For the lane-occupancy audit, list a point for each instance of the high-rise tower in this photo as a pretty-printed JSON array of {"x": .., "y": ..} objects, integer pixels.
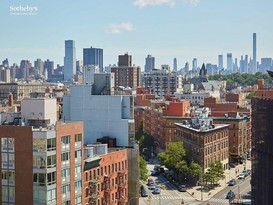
[
  {"x": 229, "y": 62},
  {"x": 69, "y": 60},
  {"x": 254, "y": 66},
  {"x": 93, "y": 56},
  {"x": 220, "y": 62},
  {"x": 175, "y": 65},
  {"x": 149, "y": 63}
]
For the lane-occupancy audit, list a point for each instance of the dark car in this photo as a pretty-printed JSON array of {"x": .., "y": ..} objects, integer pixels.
[
  {"x": 232, "y": 182},
  {"x": 156, "y": 191},
  {"x": 230, "y": 195},
  {"x": 155, "y": 173},
  {"x": 143, "y": 192},
  {"x": 182, "y": 188},
  {"x": 152, "y": 186}
]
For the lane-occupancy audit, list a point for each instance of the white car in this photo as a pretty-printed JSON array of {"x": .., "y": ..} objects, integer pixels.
[{"x": 241, "y": 176}]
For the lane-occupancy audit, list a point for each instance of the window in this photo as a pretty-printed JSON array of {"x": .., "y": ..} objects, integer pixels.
[
  {"x": 78, "y": 154},
  {"x": 65, "y": 139},
  {"x": 51, "y": 144},
  {"x": 66, "y": 188},
  {"x": 51, "y": 161},
  {"x": 51, "y": 195},
  {"x": 66, "y": 202},
  {"x": 78, "y": 184},
  {"x": 66, "y": 172},
  {"x": 78, "y": 169},
  {"x": 51, "y": 178},
  {"x": 78, "y": 200},
  {"x": 65, "y": 156},
  {"x": 78, "y": 137}
]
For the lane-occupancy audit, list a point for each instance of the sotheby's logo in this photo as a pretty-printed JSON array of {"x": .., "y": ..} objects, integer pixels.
[{"x": 23, "y": 10}]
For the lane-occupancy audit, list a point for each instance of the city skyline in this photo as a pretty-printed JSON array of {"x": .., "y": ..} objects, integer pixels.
[{"x": 188, "y": 29}]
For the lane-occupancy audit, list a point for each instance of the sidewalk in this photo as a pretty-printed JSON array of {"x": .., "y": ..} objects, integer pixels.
[{"x": 230, "y": 174}]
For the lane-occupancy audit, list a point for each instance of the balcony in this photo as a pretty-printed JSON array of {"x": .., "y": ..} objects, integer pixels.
[{"x": 107, "y": 187}]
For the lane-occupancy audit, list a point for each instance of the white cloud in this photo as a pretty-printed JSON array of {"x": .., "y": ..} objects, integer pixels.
[
  {"x": 120, "y": 28},
  {"x": 143, "y": 3},
  {"x": 192, "y": 2}
]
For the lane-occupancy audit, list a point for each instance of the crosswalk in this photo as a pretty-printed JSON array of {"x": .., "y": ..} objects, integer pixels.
[
  {"x": 217, "y": 201},
  {"x": 185, "y": 198}
]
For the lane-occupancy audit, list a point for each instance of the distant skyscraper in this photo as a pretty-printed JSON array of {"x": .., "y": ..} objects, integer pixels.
[
  {"x": 194, "y": 65},
  {"x": 125, "y": 60},
  {"x": 220, "y": 62},
  {"x": 5, "y": 63},
  {"x": 187, "y": 67},
  {"x": 149, "y": 64},
  {"x": 79, "y": 66},
  {"x": 229, "y": 62},
  {"x": 235, "y": 67},
  {"x": 93, "y": 56},
  {"x": 266, "y": 64},
  {"x": 69, "y": 60},
  {"x": 39, "y": 66},
  {"x": 254, "y": 64},
  {"x": 49, "y": 66},
  {"x": 242, "y": 65},
  {"x": 175, "y": 65},
  {"x": 246, "y": 64}
]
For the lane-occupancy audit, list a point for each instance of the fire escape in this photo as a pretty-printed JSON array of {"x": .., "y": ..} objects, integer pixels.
[
  {"x": 93, "y": 191},
  {"x": 107, "y": 188},
  {"x": 121, "y": 182}
]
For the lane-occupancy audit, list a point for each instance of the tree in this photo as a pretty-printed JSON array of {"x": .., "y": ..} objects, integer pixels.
[
  {"x": 143, "y": 169},
  {"x": 174, "y": 155},
  {"x": 195, "y": 170},
  {"x": 215, "y": 172}
]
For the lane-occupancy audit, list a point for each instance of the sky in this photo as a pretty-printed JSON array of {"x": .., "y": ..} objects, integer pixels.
[{"x": 166, "y": 29}]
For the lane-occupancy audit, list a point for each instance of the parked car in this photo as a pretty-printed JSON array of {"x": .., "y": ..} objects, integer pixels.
[
  {"x": 248, "y": 171},
  {"x": 150, "y": 181},
  {"x": 156, "y": 191},
  {"x": 152, "y": 186},
  {"x": 241, "y": 176},
  {"x": 155, "y": 173},
  {"x": 182, "y": 188},
  {"x": 143, "y": 192},
  {"x": 230, "y": 195},
  {"x": 232, "y": 182}
]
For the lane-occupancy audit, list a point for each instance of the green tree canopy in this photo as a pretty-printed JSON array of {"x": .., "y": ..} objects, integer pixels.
[
  {"x": 215, "y": 172},
  {"x": 143, "y": 169}
]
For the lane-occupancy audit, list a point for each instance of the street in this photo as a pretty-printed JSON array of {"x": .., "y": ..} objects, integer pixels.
[
  {"x": 173, "y": 197},
  {"x": 169, "y": 196},
  {"x": 242, "y": 189}
]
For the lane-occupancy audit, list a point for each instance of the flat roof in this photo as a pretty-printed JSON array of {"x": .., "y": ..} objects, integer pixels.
[{"x": 203, "y": 129}]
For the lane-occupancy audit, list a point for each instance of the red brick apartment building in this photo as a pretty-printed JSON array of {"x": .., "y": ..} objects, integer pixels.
[
  {"x": 207, "y": 142},
  {"x": 106, "y": 179},
  {"x": 158, "y": 119},
  {"x": 41, "y": 165}
]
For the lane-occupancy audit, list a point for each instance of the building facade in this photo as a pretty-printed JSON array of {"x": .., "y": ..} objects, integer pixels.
[
  {"x": 93, "y": 56},
  {"x": 127, "y": 76},
  {"x": 149, "y": 63},
  {"x": 106, "y": 178},
  {"x": 207, "y": 142},
  {"x": 103, "y": 115},
  {"x": 45, "y": 160},
  {"x": 20, "y": 90},
  {"x": 161, "y": 82},
  {"x": 69, "y": 60}
]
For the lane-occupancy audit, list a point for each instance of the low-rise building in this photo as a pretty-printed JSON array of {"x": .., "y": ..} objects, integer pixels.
[
  {"x": 207, "y": 142},
  {"x": 106, "y": 178}
]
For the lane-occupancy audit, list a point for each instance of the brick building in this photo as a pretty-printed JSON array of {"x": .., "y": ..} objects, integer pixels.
[
  {"x": 207, "y": 142},
  {"x": 106, "y": 178},
  {"x": 45, "y": 159},
  {"x": 157, "y": 119},
  {"x": 239, "y": 136}
]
